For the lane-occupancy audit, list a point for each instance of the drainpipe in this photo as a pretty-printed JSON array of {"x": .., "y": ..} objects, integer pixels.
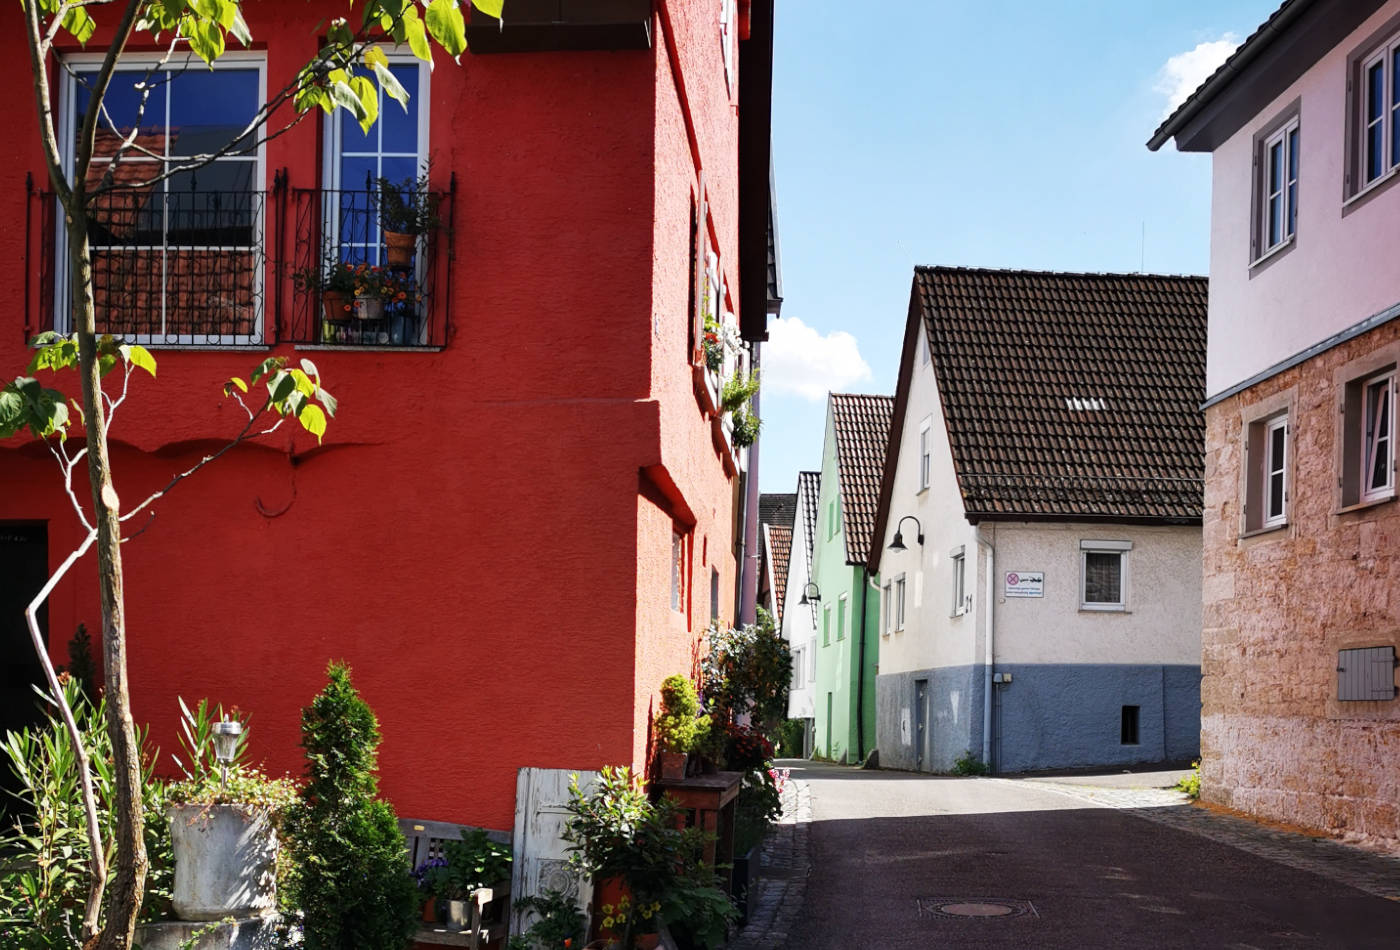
[
  {"x": 748, "y": 570},
  {"x": 989, "y": 613}
]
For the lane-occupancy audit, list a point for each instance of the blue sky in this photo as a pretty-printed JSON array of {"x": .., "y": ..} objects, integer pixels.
[{"x": 991, "y": 134}]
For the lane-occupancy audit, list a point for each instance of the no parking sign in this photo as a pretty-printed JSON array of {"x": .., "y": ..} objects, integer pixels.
[{"x": 1025, "y": 584}]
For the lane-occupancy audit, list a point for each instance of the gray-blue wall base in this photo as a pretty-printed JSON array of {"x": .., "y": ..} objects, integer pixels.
[
  {"x": 1048, "y": 717},
  {"x": 953, "y": 718}
]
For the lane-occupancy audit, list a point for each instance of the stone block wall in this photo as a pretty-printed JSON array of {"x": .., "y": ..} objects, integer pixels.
[{"x": 1279, "y": 605}]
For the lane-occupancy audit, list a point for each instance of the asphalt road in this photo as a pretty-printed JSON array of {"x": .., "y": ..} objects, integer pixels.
[{"x": 898, "y": 860}]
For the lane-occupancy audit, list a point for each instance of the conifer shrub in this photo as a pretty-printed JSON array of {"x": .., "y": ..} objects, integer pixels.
[{"x": 350, "y": 874}]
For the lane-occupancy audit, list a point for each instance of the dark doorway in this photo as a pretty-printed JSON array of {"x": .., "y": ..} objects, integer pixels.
[{"x": 24, "y": 565}]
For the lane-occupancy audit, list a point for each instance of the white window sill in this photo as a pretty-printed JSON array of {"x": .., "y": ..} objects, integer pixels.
[
  {"x": 1103, "y": 608},
  {"x": 1266, "y": 529},
  {"x": 1274, "y": 251},
  {"x": 368, "y": 348}
]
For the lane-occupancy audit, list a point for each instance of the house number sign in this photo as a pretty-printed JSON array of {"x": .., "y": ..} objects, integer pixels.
[{"x": 1025, "y": 584}]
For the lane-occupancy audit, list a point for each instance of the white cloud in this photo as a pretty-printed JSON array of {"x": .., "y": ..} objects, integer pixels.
[
  {"x": 1185, "y": 72},
  {"x": 799, "y": 360}
]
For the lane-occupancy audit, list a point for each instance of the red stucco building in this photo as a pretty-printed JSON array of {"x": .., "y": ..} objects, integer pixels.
[{"x": 526, "y": 512}]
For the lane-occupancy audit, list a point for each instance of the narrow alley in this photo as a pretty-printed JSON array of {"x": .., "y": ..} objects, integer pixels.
[{"x": 894, "y": 860}]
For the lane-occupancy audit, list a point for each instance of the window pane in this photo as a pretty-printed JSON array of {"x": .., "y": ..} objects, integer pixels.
[
  {"x": 1275, "y": 494},
  {"x": 208, "y": 108},
  {"x": 1275, "y": 220},
  {"x": 1103, "y": 577},
  {"x": 1375, "y": 149},
  {"x": 123, "y": 104},
  {"x": 1277, "y": 438},
  {"x": 1375, "y": 91},
  {"x": 1275, "y": 167},
  {"x": 352, "y": 139},
  {"x": 400, "y": 132},
  {"x": 1292, "y": 209}
]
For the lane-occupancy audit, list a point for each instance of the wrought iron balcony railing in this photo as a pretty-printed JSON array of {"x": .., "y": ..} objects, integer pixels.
[
  {"x": 224, "y": 268},
  {"x": 352, "y": 288},
  {"x": 168, "y": 267}
]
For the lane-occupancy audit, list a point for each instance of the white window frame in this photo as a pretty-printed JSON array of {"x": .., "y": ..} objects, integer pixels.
[
  {"x": 1284, "y": 140},
  {"x": 1384, "y": 57},
  {"x": 797, "y": 668},
  {"x": 899, "y": 601},
  {"x": 886, "y": 602},
  {"x": 1272, "y": 467},
  {"x": 728, "y": 23},
  {"x": 1385, "y": 381},
  {"x": 1092, "y": 546},
  {"x": 958, "y": 555},
  {"x": 925, "y": 454},
  {"x": 678, "y": 571},
  {"x": 67, "y": 102},
  {"x": 826, "y": 625},
  {"x": 331, "y": 149},
  {"x": 812, "y": 662}
]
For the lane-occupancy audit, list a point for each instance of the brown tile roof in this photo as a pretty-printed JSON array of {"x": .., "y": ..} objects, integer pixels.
[
  {"x": 809, "y": 488},
  {"x": 1074, "y": 395},
  {"x": 862, "y": 425},
  {"x": 779, "y": 553},
  {"x": 777, "y": 508}
]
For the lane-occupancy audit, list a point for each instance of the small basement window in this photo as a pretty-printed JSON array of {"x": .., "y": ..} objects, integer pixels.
[
  {"x": 1366, "y": 674},
  {"x": 1130, "y": 725}
]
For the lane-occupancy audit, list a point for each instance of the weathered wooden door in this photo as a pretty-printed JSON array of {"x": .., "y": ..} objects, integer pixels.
[{"x": 541, "y": 856}]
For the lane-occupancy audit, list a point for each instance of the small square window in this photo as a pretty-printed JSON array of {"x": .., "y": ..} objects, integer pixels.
[
  {"x": 1130, "y": 725},
  {"x": 1104, "y": 574}
]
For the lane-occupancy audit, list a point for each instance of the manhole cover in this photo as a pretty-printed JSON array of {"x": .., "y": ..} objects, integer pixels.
[{"x": 963, "y": 908}]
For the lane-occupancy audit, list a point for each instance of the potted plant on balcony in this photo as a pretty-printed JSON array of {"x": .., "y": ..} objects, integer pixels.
[
  {"x": 407, "y": 209},
  {"x": 679, "y": 727},
  {"x": 335, "y": 283}
]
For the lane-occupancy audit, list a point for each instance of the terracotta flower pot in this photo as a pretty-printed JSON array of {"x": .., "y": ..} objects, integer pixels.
[
  {"x": 672, "y": 765},
  {"x": 333, "y": 305},
  {"x": 430, "y": 911},
  {"x": 399, "y": 248},
  {"x": 646, "y": 941}
]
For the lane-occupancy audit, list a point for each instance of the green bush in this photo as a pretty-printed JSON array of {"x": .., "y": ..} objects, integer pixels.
[
  {"x": 350, "y": 874},
  {"x": 558, "y": 927},
  {"x": 970, "y": 764},
  {"x": 616, "y": 831},
  {"x": 790, "y": 738},
  {"x": 1190, "y": 783},
  {"x": 680, "y": 727},
  {"x": 472, "y": 862},
  {"x": 44, "y": 868}
]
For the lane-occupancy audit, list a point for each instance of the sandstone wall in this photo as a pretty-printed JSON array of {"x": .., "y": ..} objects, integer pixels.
[{"x": 1275, "y": 740}]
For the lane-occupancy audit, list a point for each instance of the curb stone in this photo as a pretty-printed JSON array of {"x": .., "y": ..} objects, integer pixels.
[{"x": 784, "y": 866}]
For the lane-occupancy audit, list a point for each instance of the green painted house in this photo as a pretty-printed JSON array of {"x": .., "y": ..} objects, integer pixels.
[{"x": 848, "y": 612}]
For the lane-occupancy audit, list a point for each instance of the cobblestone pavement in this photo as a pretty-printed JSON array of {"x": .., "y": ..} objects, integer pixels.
[
  {"x": 1367, "y": 871},
  {"x": 784, "y": 865}
]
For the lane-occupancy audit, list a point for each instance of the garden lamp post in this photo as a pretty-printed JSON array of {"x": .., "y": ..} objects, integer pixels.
[{"x": 226, "y": 735}]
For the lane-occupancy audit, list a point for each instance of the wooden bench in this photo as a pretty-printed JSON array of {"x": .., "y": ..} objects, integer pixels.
[{"x": 425, "y": 842}]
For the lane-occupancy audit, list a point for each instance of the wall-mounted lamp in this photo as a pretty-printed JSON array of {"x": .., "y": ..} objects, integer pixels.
[
  {"x": 810, "y": 594},
  {"x": 898, "y": 543},
  {"x": 226, "y": 741}
]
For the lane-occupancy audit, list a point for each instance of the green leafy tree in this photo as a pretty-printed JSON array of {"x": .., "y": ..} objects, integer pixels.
[
  {"x": 347, "y": 73},
  {"x": 350, "y": 873}
]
